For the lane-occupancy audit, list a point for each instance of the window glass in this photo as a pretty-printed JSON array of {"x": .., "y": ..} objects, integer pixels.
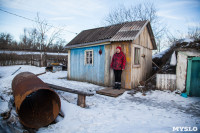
[
  {"x": 89, "y": 57},
  {"x": 137, "y": 56}
]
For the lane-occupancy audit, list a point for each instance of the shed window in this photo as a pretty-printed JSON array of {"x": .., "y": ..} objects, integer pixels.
[
  {"x": 137, "y": 56},
  {"x": 89, "y": 57}
]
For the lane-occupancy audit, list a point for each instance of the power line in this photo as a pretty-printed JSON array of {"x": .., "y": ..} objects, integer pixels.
[{"x": 34, "y": 20}]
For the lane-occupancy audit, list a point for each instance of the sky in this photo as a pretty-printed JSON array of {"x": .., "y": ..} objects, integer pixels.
[{"x": 78, "y": 15}]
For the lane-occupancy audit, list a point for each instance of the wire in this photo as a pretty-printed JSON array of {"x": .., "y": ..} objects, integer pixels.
[{"x": 34, "y": 20}]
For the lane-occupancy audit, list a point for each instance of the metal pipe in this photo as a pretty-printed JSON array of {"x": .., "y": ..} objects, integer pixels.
[{"x": 36, "y": 104}]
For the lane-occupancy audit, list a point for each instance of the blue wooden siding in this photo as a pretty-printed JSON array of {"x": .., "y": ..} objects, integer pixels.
[{"x": 84, "y": 72}]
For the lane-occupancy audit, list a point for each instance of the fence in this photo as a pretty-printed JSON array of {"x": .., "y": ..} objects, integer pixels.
[
  {"x": 31, "y": 59},
  {"x": 166, "y": 81}
]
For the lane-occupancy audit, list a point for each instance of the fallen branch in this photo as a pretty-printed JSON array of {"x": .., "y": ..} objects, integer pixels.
[
  {"x": 40, "y": 74},
  {"x": 16, "y": 70}
]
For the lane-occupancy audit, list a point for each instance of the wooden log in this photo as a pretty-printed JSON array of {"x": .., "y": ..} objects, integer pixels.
[
  {"x": 40, "y": 74},
  {"x": 156, "y": 65},
  {"x": 81, "y": 101},
  {"x": 69, "y": 90},
  {"x": 81, "y": 95}
]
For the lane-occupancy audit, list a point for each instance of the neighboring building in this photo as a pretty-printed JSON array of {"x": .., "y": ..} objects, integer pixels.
[
  {"x": 181, "y": 71},
  {"x": 188, "y": 71},
  {"x": 91, "y": 51}
]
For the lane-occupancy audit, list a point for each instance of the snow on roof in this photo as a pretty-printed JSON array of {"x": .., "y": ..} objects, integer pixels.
[
  {"x": 182, "y": 43},
  {"x": 188, "y": 40},
  {"x": 187, "y": 43},
  {"x": 160, "y": 55}
]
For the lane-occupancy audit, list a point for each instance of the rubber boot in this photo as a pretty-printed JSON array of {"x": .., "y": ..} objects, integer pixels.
[
  {"x": 115, "y": 86},
  {"x": 119, "y": 86}
]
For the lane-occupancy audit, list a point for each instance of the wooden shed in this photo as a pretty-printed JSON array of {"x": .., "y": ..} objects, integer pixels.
[{"x": 91, "y": 51}]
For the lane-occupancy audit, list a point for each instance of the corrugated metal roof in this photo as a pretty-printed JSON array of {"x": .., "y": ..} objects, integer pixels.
[
  {"x": 119, "y": 32},
  {"x": 96, "y": 34},
  {"x": 128, "y": 31},
  {"x": 124, "y": 35},
  {"x": 135, "y": 25}
]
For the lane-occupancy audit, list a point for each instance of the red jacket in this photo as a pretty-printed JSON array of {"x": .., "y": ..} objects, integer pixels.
[{"x": 118, "y": 61}]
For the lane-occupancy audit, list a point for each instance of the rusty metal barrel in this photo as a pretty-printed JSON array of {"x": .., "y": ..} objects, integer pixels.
[{"x": 36, "y": 104}]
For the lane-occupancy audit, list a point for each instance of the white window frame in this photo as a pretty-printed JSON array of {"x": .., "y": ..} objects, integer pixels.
[{"x": 85, "y": 60}]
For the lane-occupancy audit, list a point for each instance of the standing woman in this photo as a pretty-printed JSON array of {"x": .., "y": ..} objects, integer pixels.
[{"x": 118, "y": 64}]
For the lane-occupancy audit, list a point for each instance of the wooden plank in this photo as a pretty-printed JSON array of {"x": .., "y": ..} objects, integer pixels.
[
  {"x": 111, "y": 76},
  {"x": 144, "y": 70},
  {"x": 69, "y": 90},
  {"x": 107, "y": 65},
  {"x": 87, "y": 72},
  {"x": 126, "y": 74},
  {"x": 144, "y": 39},
  {"x": 127, "y": 71},
  {"x": 111, "y": 92}
]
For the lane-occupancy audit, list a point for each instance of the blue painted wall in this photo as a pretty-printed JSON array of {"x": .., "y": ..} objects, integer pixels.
[{"x": 84, "y": 72}]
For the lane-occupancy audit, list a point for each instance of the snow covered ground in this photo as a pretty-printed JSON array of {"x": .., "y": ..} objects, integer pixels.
[{"x": 157, "y": 112}]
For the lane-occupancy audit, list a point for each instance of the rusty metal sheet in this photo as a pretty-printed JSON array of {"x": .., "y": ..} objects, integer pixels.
[{"x": 36, "y": 104}]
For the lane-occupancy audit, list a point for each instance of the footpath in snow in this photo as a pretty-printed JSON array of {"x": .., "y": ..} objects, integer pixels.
[{"x": 157, "y": 112}]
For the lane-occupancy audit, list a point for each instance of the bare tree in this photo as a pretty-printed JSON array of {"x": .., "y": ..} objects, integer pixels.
[
  {"x": 5, "y": 40},
  {"x": 179, "y": 36},
  {"x": 44, "y": 30},
  {"x": 142, "y": 11},
  {"x": 194, "y": 32},
  {"x": 31, "y": 40},
  {"x": 34, "y": 39}
]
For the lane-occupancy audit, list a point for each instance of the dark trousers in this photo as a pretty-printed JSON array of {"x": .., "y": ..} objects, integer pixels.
[{"x": 118, "y": 74}]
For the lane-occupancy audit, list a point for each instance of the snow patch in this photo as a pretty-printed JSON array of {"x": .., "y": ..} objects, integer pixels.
[
  {"x": 187, "y": 40},
  {"x": 160, "y": 55},
  {"x": 173, "y": 59}
]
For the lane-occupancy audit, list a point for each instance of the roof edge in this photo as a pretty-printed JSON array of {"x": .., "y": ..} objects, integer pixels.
[
  {"x": 86, "y": 44},
  {"x": 152, "y": 38},
  {"x": 147, "y": 21}
]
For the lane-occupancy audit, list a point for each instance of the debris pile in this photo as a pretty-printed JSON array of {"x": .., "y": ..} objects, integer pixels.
[{"x": 53, "y": 67}]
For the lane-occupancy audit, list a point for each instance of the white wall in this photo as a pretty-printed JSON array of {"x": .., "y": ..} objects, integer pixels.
[{"x": 181, "y": 68}]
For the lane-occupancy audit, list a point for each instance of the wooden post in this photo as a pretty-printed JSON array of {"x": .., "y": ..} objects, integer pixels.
[
  {"x": 107, "y": 65},
  {"x": 41, "y": 60},
  {"x": 81, "y": 101},
  {"x": 31, "y": 60}
]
